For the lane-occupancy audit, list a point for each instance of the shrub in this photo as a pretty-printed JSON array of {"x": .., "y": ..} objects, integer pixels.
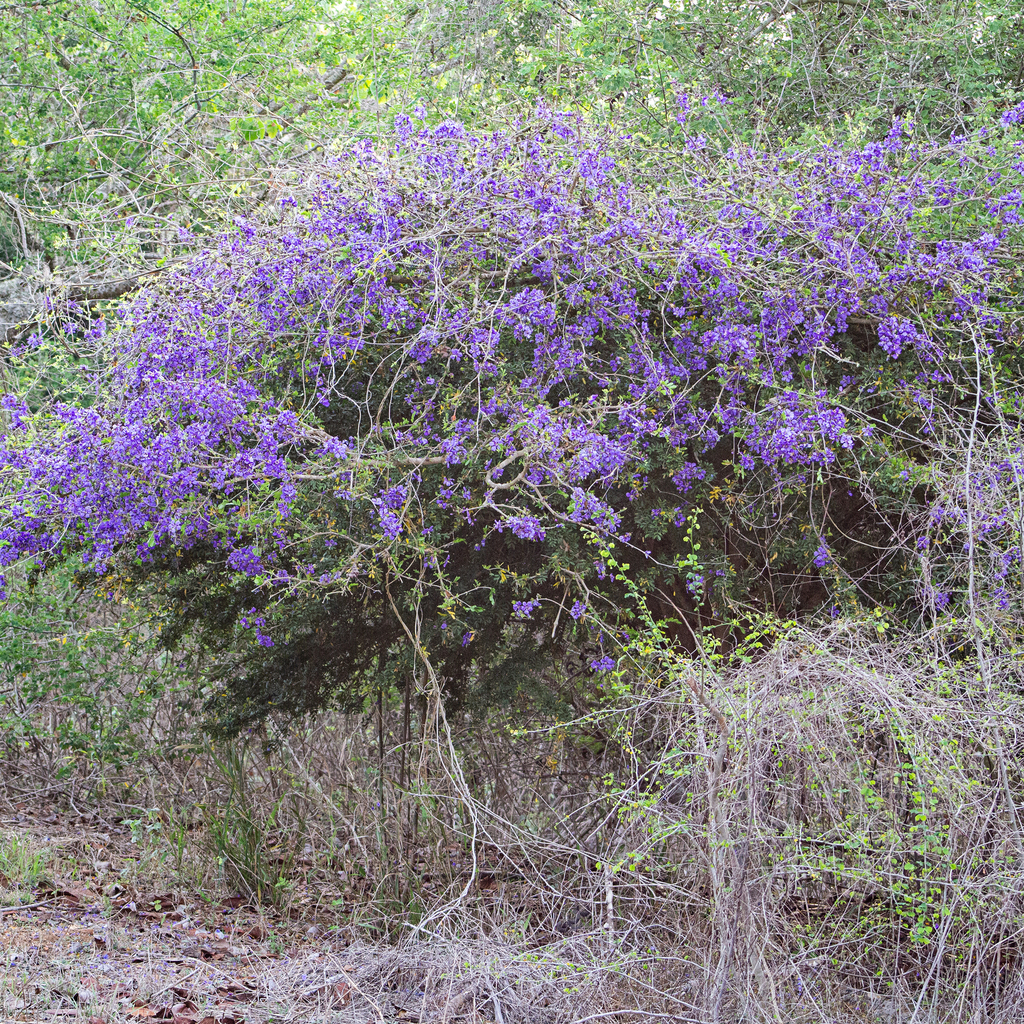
[{"x": 396, "y": 426}]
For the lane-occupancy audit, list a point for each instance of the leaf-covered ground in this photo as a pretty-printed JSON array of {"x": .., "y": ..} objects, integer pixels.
[
  {"x": 95, "y": 948},
  {"x": 85, "y": 934}
]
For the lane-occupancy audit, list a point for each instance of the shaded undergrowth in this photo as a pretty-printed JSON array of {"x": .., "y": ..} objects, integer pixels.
[{"x": 835, "y": 821}]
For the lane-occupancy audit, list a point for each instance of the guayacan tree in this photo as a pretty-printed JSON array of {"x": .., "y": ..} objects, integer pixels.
[{"x": 475, "y": 395}]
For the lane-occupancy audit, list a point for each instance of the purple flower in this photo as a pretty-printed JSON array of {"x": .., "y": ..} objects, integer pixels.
[
  {"x": 525, "y": 609},
  {"x": 1015, "y": 115},
  {"x": 525, "y": 526},
  {"x": 896, "y": 334},
  {"x": 246, "y": 560},
  {"x": 822, "y": 555}
]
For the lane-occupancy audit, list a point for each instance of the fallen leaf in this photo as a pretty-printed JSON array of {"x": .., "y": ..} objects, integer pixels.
[
  {"x": 336, "y": 995},
  {"x": 235, "y": 992},
  {"x": 142, "y": 1011},
  {"x": 76, "y": 895}
]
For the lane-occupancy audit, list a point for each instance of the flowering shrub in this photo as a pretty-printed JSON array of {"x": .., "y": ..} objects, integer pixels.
[{"x": 463, "y": 358}]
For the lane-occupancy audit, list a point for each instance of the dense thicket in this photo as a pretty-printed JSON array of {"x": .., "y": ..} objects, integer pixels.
[
  {"x": 418, "y": 416},
  {"x": 641, "y": 381}
]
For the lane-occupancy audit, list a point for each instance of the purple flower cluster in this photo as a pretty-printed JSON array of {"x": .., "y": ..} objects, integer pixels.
[
  {"x": 525, "y": 609},
  {"x": 501, "y": 329},
  {"x": 896, "y": 334}
]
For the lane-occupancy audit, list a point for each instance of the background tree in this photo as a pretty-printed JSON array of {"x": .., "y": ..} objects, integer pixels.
[{"x": 128, "y": 128}]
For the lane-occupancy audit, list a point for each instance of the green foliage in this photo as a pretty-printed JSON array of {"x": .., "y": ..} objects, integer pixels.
[
  {"x": 124, "y": 123},
  {"x": 22, "y": 863},
  {"x": 77, "y": 679},
  {"x": 242, "y": 835},
  {"x": 342, "y": 649},
  {"x": 845, "y": 68}
]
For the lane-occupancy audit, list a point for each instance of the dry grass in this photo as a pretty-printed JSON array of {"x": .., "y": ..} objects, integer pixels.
[{"x": 829, "y": 834}]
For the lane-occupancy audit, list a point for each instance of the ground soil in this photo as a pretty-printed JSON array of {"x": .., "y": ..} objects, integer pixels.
[{"x": 104, "y": 933}]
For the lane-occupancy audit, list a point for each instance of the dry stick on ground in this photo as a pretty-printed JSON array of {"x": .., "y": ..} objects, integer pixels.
[{"x": 25, "y": 906}]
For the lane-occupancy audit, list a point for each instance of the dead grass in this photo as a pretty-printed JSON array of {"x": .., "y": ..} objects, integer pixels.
[{"x": 828, "y": 835}]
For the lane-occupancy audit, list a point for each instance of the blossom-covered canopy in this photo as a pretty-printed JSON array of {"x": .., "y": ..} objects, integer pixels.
[{"x": 462, "y": 364}]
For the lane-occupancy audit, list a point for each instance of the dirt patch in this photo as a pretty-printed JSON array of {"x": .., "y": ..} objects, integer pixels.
[{"x": 98, "y": 938}]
